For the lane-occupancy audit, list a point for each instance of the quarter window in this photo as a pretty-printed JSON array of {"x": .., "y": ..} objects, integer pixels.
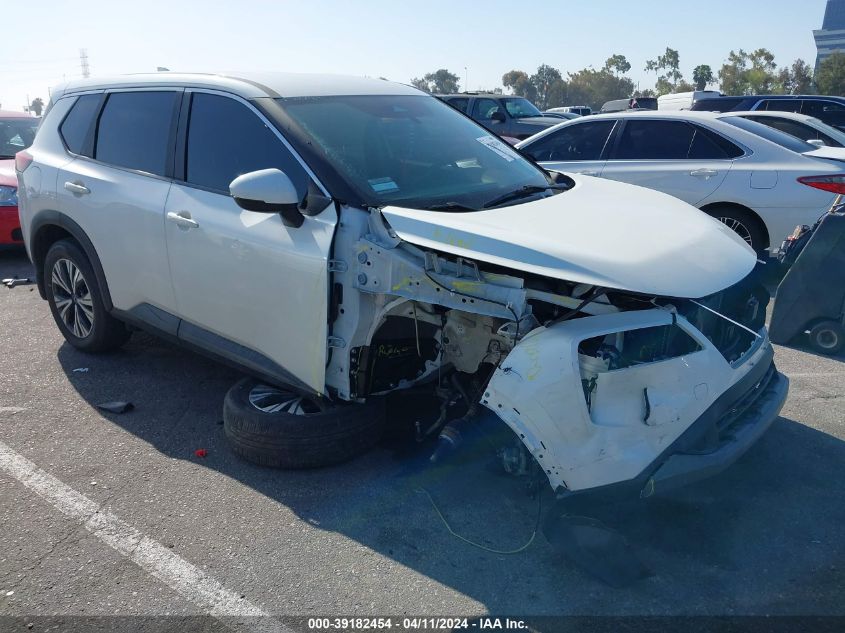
[
  {"x": 580, "y": 141},
  {"x": 226, "y": 139},
  {"x": 136, "y": 130},
  {"x": 79, "y": 123}
]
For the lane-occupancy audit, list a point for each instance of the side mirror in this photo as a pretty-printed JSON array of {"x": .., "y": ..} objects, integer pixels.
[
  {"x": 498, "y": 116},
  {"x": 268, "y": 191},
  {"x": 817, "y": 142}
]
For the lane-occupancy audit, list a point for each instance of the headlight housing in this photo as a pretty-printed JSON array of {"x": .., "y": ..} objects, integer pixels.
[{"x": 8, "y": 196}]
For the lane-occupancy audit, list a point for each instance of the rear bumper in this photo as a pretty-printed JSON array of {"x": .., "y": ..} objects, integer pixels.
[{"x": 10, "y": 226}]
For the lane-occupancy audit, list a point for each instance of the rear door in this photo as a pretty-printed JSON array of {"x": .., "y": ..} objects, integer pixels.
[
  {"x": 117, "y": 184},
  {"x": 483, "y": 111},
  {"x": 578, "y": 147},
  {"x": 675, "y": 157},
  {"x": 247, "y": 287}
]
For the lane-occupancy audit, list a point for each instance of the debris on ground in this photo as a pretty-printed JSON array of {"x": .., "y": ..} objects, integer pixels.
[
  {"x": 81, "y": 370},
  {"x": 116, "y": 407},
  {"x": 15, "y": 281},
  {"x": 201, "y": 452}
]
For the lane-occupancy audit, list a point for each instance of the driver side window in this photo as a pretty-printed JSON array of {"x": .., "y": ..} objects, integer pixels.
[
  {"x": 484, "y": 109},
  {"x": 577, "y": 142}
]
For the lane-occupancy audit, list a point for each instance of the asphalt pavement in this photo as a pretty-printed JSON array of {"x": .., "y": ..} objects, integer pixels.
[{"x": 764, "y": 538}]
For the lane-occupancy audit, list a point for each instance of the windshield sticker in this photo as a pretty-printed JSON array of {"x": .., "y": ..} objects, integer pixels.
[
  {"x": 383, "y": 185},
  {"x": 495, "y": 145}
]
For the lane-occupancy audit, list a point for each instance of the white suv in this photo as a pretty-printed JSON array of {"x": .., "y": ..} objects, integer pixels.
[{"x": 340, "y": 239}]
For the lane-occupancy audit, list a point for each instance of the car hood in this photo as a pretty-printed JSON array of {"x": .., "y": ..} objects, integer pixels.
[
  {"x": 599, "y": 232},
  {"x": 540, "y": 121},
  {"x": 8, "y": 178}
]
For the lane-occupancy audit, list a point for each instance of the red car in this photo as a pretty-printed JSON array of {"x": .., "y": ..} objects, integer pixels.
[{"x": 17, "y": 130}]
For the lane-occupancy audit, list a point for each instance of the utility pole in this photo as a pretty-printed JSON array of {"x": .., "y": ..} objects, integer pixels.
[{"x": 83, "y": 62}]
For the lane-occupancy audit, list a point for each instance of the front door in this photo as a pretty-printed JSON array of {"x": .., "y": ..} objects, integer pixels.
[
  {"x": 247, "y": 286},
  {"x": 578, "y": 147}
]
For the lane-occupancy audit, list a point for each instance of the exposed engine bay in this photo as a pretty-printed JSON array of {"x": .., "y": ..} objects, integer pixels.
[{"x": 594, "y": 382}]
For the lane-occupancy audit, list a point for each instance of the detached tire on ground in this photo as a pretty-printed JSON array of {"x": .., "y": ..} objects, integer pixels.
[{"x": 271, "y": 426}]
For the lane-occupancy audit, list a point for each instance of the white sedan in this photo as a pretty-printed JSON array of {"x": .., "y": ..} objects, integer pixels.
[
  {"x": 807, "y": 128},
  {"x": 759, "y": 181}
]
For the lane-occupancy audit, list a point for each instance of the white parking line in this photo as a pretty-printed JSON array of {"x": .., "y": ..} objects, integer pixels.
[{"x": 154, "y": 558}]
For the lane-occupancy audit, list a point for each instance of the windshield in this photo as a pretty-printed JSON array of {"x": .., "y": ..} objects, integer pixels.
[
  {"x": 770, "y": 134},
  {"x": 411, "y": 151},
  {"x": 520, "y": 108},
  {"x": 16, "y": 134}
]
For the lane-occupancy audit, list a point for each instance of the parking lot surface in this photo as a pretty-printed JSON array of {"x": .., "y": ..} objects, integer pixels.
[{"x": 765, "y": 537}]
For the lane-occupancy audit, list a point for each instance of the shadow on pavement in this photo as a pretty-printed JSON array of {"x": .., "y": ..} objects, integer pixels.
[{"x": 768, "y": 532}]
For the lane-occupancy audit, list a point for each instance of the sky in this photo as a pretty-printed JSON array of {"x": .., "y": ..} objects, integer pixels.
[{"x": 399, "y": 40}]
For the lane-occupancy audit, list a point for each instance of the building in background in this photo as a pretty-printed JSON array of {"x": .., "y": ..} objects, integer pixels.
[{"x": 831, "y": 37}]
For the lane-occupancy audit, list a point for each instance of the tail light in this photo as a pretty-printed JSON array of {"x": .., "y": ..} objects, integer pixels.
[
  {"x": 22, "y": 161},
  {"x": 834, "y": 183}
]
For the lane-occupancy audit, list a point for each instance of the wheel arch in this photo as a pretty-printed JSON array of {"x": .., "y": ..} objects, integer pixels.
[
  {"x": 48, "y": 227},
  {"x": 741, "y": 207}
]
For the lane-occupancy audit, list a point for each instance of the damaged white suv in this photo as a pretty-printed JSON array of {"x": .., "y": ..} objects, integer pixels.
[{"x": 341, "y": 239}]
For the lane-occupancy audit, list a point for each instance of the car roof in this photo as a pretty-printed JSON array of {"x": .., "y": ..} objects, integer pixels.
[
  {"x": 797, "y": 116},
  {"x": 12, "y": 114},
  {"x": 249, "y": 85},
  {"x": 779, "y": 97}
]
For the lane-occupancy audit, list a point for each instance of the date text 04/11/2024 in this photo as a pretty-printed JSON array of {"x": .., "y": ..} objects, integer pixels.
[{"x": 414, "y": 623}]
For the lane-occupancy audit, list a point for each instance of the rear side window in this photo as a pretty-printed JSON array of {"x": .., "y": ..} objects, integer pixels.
[
  {"x": 781, "y": 105},
  {"x": 459, "y": 104},
  {"x": 797, "y": 129},
  {"x": 136, "y": 130},
  {"x": 581, "y": 141},
  {"x": 226, "y": 139},
  {"x": 770, "y": 134},
  {"x": 79, "y": 123},
  {"x": 655, "y": 140}
]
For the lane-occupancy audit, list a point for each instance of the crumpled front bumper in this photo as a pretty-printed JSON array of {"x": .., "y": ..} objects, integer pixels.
[{"x": 711, "y": 411}]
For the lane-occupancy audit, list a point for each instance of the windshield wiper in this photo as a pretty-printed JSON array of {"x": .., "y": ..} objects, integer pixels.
[
  {"x": 523, "y": 192},
  {"x": 450, "y": 206}
]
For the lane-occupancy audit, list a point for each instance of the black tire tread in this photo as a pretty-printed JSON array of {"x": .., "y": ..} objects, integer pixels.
[
  {"x": 283, "y": 440},
  {"x": 828, "y": 325}
]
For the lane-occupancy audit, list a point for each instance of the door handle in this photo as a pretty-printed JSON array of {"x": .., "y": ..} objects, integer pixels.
[
  {"x": 75, "y": 187},
  {"x": 183, "y": 219},
  {"x": 707, "y": 174}
]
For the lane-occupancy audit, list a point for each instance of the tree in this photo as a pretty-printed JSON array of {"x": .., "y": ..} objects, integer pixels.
[
  {"x": 669, "y": 63},
  {"x": 617, "y": 64},
  {"x": 37, "y": 106},
  {"x": 701, "y": 76},
  {"x": 796, "y": 79},
  {"x": 547, "y": 84},
  {"x": 830, "y": 78},
  {"x": 519, "y": 84},
  {"x": 440, "y": 81},
  {"x": 595, "y": 87},
  {"x": 749, "y": 73}
]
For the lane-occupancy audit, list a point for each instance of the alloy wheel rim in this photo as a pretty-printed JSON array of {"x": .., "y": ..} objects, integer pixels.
[
  {"x": 270, "y": 399},
  {"x": 739, "y": 228},
  {"x": 72, "y": 298}
]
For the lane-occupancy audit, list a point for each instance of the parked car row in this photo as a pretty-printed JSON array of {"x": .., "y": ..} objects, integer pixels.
[
  {"x": 17, "y": 131},
  {"x": 758, "y": 180}
]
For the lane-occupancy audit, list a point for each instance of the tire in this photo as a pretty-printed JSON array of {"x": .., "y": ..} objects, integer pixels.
[
  {"x": 292, "y": 431},
  {"x": 827, "y": 337},
  {"x": 743, "y": 223},
  {"x": 76, "y": 300}
]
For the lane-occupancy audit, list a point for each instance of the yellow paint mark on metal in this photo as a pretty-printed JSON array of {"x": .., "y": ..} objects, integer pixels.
[
  {"x": 465, "y": 285},
  {"x": 533, "y": 355},
  {"x": 451, "y": 238},
  {"x": 406, "y": 281}
]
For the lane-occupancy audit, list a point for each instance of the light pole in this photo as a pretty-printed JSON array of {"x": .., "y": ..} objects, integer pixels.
[{"x": 466, "y": 80}]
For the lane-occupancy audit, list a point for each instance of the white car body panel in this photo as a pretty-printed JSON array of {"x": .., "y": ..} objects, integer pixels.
[
  {"x": 552, "y": 237},
  {"x": 286, "y": 269},
  {"x": 612, "y": 442},
  {"x": 764, "y": 180}
]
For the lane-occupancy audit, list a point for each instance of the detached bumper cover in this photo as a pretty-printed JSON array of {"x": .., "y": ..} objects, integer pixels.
[{"x": 736, "y": 432}]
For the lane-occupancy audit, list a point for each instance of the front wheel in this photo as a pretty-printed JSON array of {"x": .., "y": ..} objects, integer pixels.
[
  {"x": 278, "y": 427},
  {"x": 76, "y": 300}
]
